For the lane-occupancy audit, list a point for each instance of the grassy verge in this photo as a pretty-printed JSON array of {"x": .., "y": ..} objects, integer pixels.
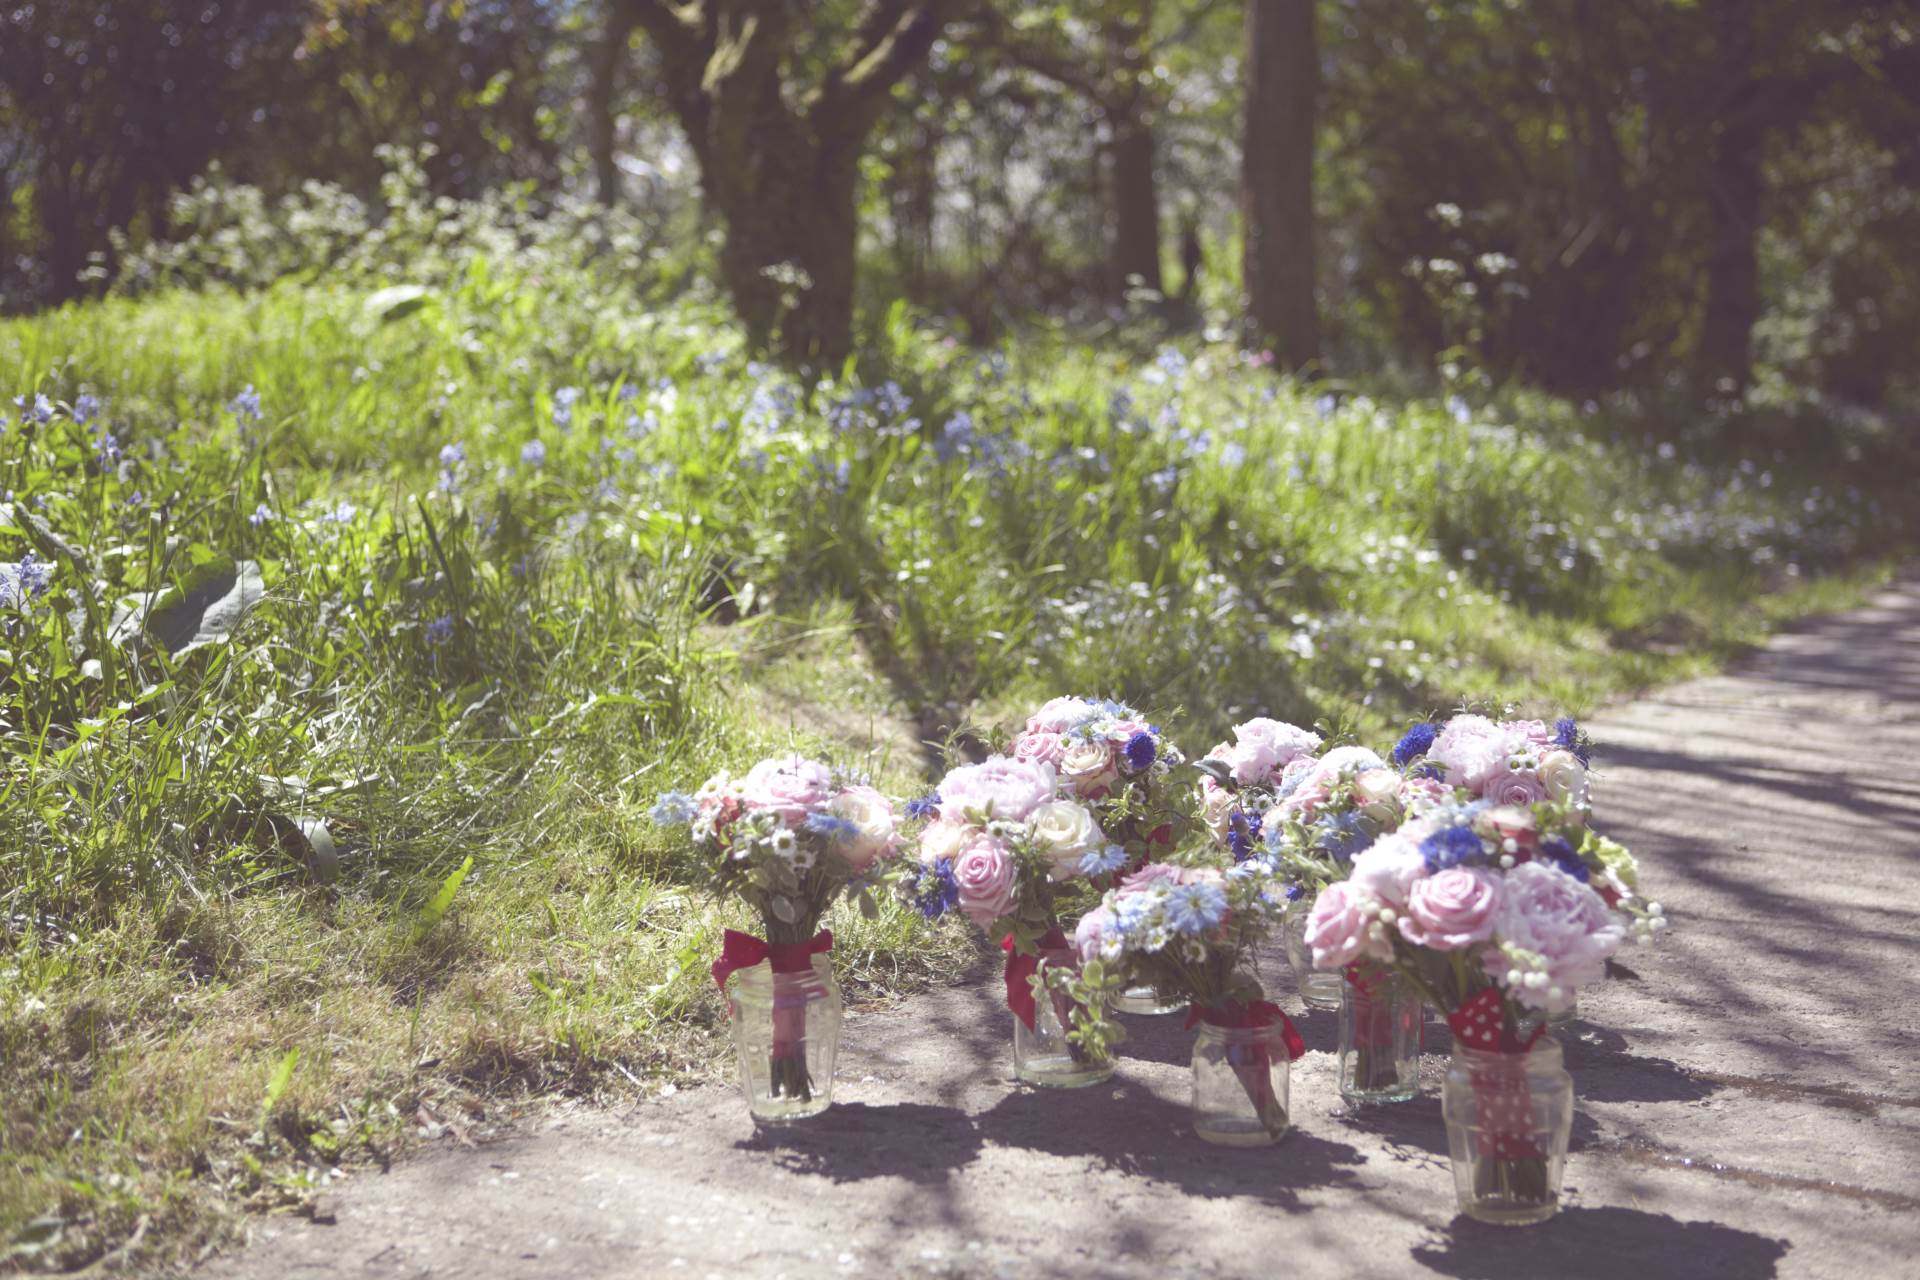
[{"x": 478, "y": 573}]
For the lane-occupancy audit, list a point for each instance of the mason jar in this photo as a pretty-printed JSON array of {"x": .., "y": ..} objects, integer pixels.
[
  {"x": 1318, "y": 988},
  {"x": 1508, "y": 1115},
  {"x": 786, "y": 1029},
  {"x": 1240, "y": 1084},
  {"x": 1042, "y": 1053},
  {"x": 1380, "y": 1016}
]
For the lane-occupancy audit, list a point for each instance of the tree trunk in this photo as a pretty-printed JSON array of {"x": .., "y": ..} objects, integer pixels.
[
  {"x": 1136, "y": 203},
  {"x": 1736, "y": 190},
  {"x": 603, "y": 69},
  {"x": 1277, "y": 178}
]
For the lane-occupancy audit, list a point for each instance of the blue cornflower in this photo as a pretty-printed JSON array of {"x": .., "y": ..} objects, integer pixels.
[
  {"x": 1342, "y": 835},
  {"x": 1295, "y": 893},
  {"x": 1098, "y": 862},
  {"x": 1428, "y": 769},
  {"x": 1566, "y": 733},
  {"x": 833, "y": 828},
  {"x": 673, "y": 809},
  {"x": 1243, "y": 829},
  {"x": 261, "y": 515},
  {"x": 1141, "y": 751},
  {"x": 1196, "y": 908},
  {"x": 440, "y": 630},
  {"x": 924, "y": 807},
  {"x": 1559, "y": 852},
  {"x": 1452, "y": 847},
  {"x": 246, "y": 406},
  {"x": 938, "y": 892},
  {"x": 534, "y": 453},
  {"x": 86, "y": 406},
  {"x": 1415, "y": 743}
]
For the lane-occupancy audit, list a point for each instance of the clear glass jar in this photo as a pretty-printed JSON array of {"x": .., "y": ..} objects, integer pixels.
[
  {"x": 786, "y": 1027},
  {"x": 1508, "y": 1119},
  {"x": 1380, "y": 1024},
  {"x": 1042, "y": 1054},
  {"x": 1143, "y": 1000},
  {"x": 1240, "y": 1084},
  {"x": 1318, "y": 988}
]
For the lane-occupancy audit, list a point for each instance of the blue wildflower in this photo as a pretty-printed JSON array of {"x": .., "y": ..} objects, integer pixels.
[
  {"x": 261, "y": 515},
  {"x": 1558, "y": 851},
  {"x": 563, "y": 402},
  {"x": 1243, "y": 829},
  {"x": 40, "y": 411},
  {"x": 452, "y": 455},
  {"x": 26, "y": 582},
  {"x": 1233, "y": 454},
  {"x": 1098, "y": 862},
  {"x": 673, "y": 809},
  {"x": 440, "y": 630},
  {"x": 924, "y": 807},
  {"x": 631, "y": 390},
  {"x": 1342, "y": 835},
  {"x": 1567, "y": 733},
  {"x": 830, "y": 827},
  {"x": 938, "y": 892},
  {"x": 86, "y": 406},
  {"x": 1415, "y": 743},
  {"x": 341, "y": 514},
  {"x": 1196, "y": 908},
  {"x": 1295, "y": 893},
  {"x": 1452, "y": 847},
  {"x": 534, "y": 453},
  {"x": 106, "y": 449},
  {"x": 1141, "y": 751},
  {"x": 245, "y": 407}
]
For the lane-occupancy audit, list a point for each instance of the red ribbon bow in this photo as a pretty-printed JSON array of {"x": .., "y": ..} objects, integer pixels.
[
  {"x": 1249, "y": 1013},
  {"x": 1020, "y": 970},
  {"x": 1502, "y": 1101},
  {"x": 743, "y": 951}
]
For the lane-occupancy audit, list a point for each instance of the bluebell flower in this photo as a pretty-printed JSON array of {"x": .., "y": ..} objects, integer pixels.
[
  {"x": 673, "y": 809},
  {"x": 1196, "y": 908},
  {"x": 86, "y": 406},
  {"x": 245, "y": 407},
  {"x": 1452, "y": 847},
  {"x": 1415, "y": 743},
  {"x": 955, "y": 437},
  {"x": 830, "y": 827},
  {"x": 1141, "y": 751},
  {"x": 938, "y": 892},
  {"x": 1566, "y": 733},
  {"x": 138, "y": 498},
  {"x": 261, "y": 515},
  {"x": 925, "y": 806},
  {"x": 106, "y": 449},
  {"x": 341, "y": 514},
  {"x": 1559, "y": 852},
  {"x": 1232, "y": 454},
  {"x": 452, "y": 455},
  {"x": 563, "y": 402},
  {"x": 25, "y": 582},
  {"x": 1099, "y": 862},
  {"x": 631, "y": 390},
  {"x": 440, "y": 630},
  {"x": 40, "y": 411},
  {"x": 534, "y": 453}
]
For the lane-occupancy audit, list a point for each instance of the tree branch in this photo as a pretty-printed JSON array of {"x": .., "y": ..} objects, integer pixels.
[{"x": 891, "y": 39}]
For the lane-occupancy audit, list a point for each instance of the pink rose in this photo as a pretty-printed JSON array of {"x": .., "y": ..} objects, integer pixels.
[
  {"x": 1062, "y": 714},
  {"x": 1097, "y": 936},
  {"x": 1534, "y": 731},
  {"x": 1544, "y": 910},
  {"x": 1515, "y": 787},
  {"x": 984, "y": 873},
  {"x": 1387, "y": 869},
  {"x": 791, "y": 786},
  {"x": 1089, "y": 767},
  {"x": 999, "y": 787},
  {"x": 1039, "y": 747},
  {"x": 1451, "y": 909},
  {"x": 1337, "y": 929}
]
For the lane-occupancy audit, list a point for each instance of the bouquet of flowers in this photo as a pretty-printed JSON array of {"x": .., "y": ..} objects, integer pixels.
[
  {"x": 1108, "y": 757},
  {"x": 786, "y": 838},
  {"x": 1189, "y": 932},
  {"x": 1000, "y": 845}
]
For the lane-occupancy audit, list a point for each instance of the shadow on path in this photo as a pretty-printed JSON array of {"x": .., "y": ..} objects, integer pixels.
[{"x": 1602, "y": 1244}]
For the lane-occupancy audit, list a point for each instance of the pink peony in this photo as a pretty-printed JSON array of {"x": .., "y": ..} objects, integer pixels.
[
  {"x": 1251, "y": 762},
  {"x": 1041, "y": 747},
  {"x": 1544, "y": 910},
  {"x": 1149, "y": 875},
  {"x": 1515, "y": 787},
  {"x": 1062, "y": 714},
  {"x": 1533, "y": 731},
  {"x": 985, "y": 874},
  {"x": 1284, "y": 742},
  {"x": 998, "y": 787},
  {"x": 1451, "y": 909},
  {"x": 871, "y": 815},
  {"x": 1388, "y": 868},
  {"x": 792, "y": 786},
  {"x": 1337, "y": 928},
  {"x": 1472, "y": 749},
  {"x": 1097, "y": 936}
]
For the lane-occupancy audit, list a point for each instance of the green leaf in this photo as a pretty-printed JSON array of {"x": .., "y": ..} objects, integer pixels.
[
  {"x": 436, "y": 909},
  {"x": 277, "y": 1082}
]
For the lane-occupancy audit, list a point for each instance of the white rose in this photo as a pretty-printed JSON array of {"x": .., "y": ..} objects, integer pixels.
[
  {"x": 1564, "y": 777},
  {"x": 873, "y": 829},
  {"x": 943, "y": 840},
  {"x": 1215, "y": 804},
  {"x": 1087, "y": 764},
  {"x": 1066, "y": 832}
]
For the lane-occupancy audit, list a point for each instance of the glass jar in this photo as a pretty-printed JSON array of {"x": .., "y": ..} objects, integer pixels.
[
  {"x": 1508, "y": 1119},
  {"x": 1042, "y": 1054},
  {"x": 786, "y": 1027},
  {"x": 1380, "y": 1025},
  {"x": 1143, "y": 1000},
  {"x": 1240, "y": 1084},
  {"x": 1318, "y": 988}
]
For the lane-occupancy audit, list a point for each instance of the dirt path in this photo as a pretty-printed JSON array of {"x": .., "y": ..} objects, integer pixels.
[{"x": 1750, "y": 1108}]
